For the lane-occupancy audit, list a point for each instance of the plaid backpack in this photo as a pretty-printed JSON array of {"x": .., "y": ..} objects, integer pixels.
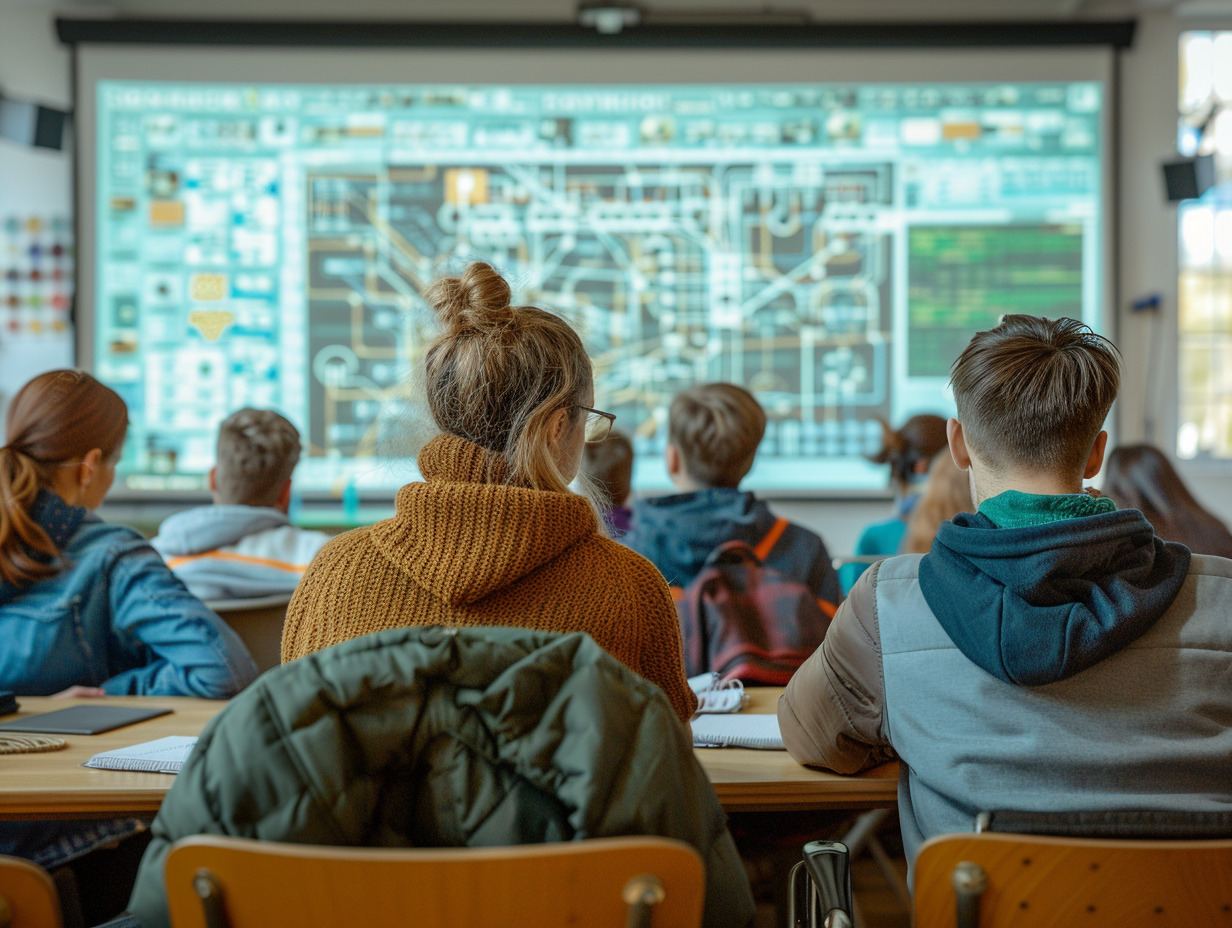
[{"x": 747, "y": 621}]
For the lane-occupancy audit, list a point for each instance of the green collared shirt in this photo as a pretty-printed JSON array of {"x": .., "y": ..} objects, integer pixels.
[{"x": 1013, "y": 509}]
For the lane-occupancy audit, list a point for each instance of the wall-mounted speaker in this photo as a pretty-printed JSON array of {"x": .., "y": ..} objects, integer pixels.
[
  {"x": 32, "y": 124},
  {"x": 1189, "y": 178}
]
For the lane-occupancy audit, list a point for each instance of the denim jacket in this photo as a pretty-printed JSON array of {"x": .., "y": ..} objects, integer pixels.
[{"x": 114, "y": 617}]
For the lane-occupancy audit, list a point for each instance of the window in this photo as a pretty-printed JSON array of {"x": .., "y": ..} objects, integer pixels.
[{"x": 1204, "y": 290}]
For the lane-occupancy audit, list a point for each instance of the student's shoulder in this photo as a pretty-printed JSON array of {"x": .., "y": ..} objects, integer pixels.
[
  {"x": 96, "y": 537},
  {"x": 347, "y": 546},
  {"x": 635, "y": 568}
]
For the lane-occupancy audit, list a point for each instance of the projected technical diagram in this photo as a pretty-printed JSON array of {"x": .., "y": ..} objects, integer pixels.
[{"x": 830, "y": 248}]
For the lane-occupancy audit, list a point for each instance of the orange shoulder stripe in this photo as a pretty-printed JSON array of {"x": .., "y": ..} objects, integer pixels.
[{"x": 239, "y": 558}]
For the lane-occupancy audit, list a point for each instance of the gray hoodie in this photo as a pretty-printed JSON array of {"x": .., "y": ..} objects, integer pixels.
[{"x": 236, "y": 552}]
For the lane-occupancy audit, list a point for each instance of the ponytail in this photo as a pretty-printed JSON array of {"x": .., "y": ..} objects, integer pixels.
[{"x": 27, "y": 553}]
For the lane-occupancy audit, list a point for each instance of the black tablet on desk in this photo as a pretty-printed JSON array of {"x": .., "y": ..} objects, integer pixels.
[{"x": 83, "y": 720}]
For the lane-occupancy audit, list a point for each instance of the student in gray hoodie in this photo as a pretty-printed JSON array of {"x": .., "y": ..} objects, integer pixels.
[
  {"x": 243, "y": 546},
  {"x": 1050, "y": 653}
]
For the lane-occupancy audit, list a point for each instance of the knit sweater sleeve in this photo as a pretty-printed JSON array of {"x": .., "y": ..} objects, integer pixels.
[{"x": 660, "y": 648}]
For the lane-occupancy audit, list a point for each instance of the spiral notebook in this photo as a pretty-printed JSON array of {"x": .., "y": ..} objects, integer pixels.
[
  {"x": 715, "y": 695},
  {"x": 166, "y": 755},
  {"x": 746, "y": 730}
]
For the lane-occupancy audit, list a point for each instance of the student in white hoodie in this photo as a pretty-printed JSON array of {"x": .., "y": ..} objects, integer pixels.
[{"x": 243, "y": 546}]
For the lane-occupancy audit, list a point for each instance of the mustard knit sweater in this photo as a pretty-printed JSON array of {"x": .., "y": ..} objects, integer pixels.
[{"x": 462, "y": 551}]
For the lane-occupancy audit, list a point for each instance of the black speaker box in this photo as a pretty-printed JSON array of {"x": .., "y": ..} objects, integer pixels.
[{"x": 1189, "y": 178}]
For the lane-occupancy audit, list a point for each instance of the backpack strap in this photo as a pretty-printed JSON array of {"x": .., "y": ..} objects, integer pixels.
[{"x": 766, "y": 545}]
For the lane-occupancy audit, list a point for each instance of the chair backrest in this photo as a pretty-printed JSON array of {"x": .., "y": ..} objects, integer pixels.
[
  {"x": 259, "y": 623},
  {"x": 1032, "y": 880},
  {"x": 28, "y": 898},
  {"x": 263, "y": 884}
]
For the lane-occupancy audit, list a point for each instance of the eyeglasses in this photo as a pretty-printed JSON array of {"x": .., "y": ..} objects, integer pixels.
[{"x": 598, "y": 423}]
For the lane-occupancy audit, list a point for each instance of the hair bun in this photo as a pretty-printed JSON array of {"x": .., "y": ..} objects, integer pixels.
[{"x": 479, "y": 298}]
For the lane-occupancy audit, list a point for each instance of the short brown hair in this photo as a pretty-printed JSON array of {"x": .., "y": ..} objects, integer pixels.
[
  {"x": 717, "y": 427},
  {"x": 257, "y": 451},
  {"x": 498, "y": 372},
  {"x": 611, "y": 463},
  {"x": 1034, "y": 392}
]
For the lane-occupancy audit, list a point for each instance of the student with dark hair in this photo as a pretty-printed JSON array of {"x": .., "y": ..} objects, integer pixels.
[
  {"x": 908, "y": 452},
  {"x": 610, "y": 464},
  {"x": 713, "y": 433},
  {"x": 492, "y": 535},
  {"x": 1050, "y": 653},
  {"x": 244, "y": 546},
  {"x": 1141, "y": 477},
  {"x": 86, "y": 607}
]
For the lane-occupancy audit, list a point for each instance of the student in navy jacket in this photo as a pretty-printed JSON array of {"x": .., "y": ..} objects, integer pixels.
[{"x": 713, "y": 433}]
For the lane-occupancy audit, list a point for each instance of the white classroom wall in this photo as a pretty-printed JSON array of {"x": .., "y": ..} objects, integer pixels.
[{"x": 32, "y": 63}]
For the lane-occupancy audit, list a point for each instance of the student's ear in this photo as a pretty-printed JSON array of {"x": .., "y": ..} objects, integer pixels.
[
  {"x": 673, "y": 460},
  {"x": 958, "y": 444},
  {"x": 1096, "y": 460},
  {"x": 91, "y": 461},
  {"x": 284, "y": 497},
  {"x": 558, "y": 424},
  {"x": 213, "y": 479}
]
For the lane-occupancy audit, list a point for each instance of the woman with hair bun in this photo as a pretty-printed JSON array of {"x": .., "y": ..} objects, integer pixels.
[
  {"x": 88, "y": 608},
  {"x": 493, "y": 535},
  {"x": 909, "y": 451}
]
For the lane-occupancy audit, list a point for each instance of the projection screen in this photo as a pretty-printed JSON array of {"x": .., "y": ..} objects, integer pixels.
[{"x": 827, "y": 228}]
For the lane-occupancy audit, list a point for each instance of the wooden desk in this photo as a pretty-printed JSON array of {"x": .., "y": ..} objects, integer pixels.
[
  {"x": 55, "y": 785},
  {"x": 765, "y": 781}
]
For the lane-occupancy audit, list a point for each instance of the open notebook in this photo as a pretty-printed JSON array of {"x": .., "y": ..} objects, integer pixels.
[
  {"x": 747, "y": 730},
  {"x": 715, "y": 695},
  {"x": 166, "y": 755}
]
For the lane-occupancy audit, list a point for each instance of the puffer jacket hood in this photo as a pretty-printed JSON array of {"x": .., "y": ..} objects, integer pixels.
[
  {"x": 433, "y": 737},
  {"x": 1039, "y": 604},
  {"x": 462, "y": 539},
  {"x": 207, "y": 528}
]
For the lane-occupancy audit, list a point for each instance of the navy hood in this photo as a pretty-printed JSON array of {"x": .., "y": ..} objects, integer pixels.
[
  {"x": 678, "y": 532},
  {"x": 59, "y": 520},
  {"x": 1038, "y": 604}
]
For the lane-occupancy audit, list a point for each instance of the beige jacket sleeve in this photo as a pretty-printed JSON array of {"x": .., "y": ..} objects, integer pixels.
[{"x": 832, "y": 713}]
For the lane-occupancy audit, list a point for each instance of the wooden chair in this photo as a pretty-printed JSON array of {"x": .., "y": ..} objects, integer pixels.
[
  {"x": 259, "y": 623},
  {"x": 1123, "y": 868},
  {"x": 28, "y": 898},
  {"x": 214, "y": 882},
  {"x": 1003, "y": 880}
]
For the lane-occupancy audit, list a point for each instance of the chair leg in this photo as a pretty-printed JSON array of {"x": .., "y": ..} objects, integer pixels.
[{"x": 898, "y": 885}]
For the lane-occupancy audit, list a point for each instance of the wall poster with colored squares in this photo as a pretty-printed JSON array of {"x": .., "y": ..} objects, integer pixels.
[{"x": 36, "y": 275}]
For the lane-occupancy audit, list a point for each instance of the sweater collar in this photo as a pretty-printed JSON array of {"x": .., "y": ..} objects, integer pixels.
[
  {"x": 463, "y": 536},
  {"x": 452, "y": 459},
  {"x": 1014, "y": 509}
]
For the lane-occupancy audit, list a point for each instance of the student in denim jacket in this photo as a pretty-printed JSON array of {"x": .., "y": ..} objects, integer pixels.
[{"x": 87, "y": 608}]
